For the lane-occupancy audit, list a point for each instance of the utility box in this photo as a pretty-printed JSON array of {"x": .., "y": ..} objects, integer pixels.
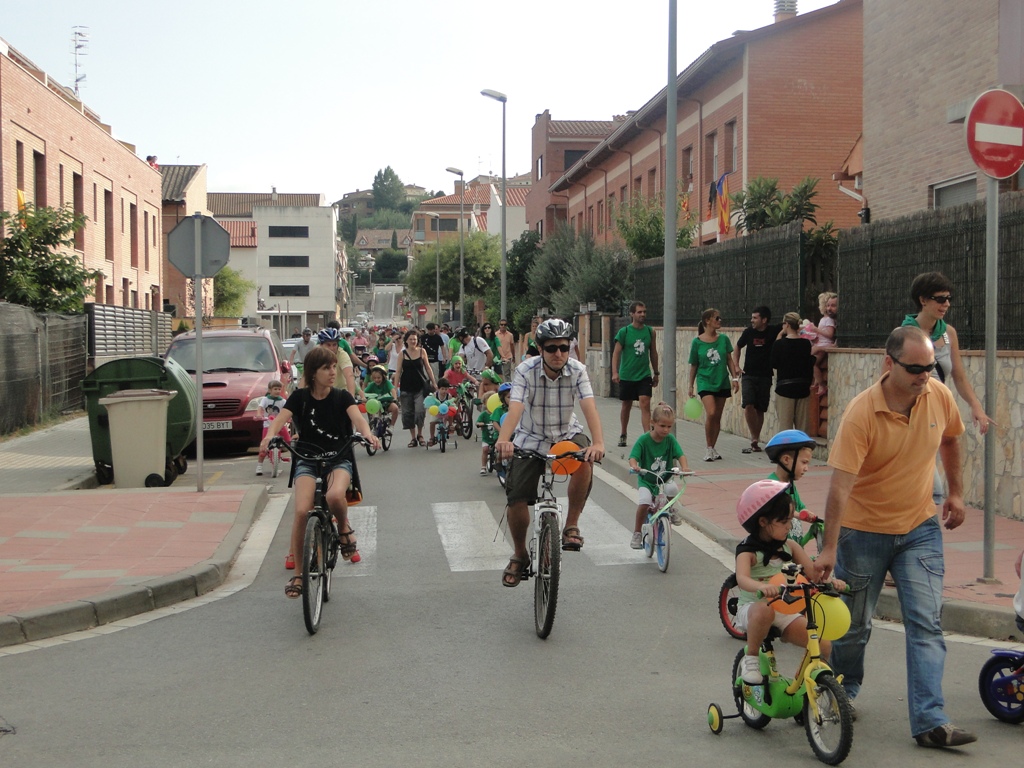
[{"x": 138, "y": 435}]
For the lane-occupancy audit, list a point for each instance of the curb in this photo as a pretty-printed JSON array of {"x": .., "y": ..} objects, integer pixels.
[{"x": 132, "y": 600}]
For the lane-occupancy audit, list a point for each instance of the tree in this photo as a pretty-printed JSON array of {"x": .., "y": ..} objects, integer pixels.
[
  {"x": 641, "y": 224},
  {"x": 230, "y": 291},
  {"x": 388, "y": 190},
  {"x": 34, "y": 269},
  {"x": 394, "y": 239},
  {"x": 518, "y": 260},
  {"x": 390, "y": 265},
  {"x": 572, "y": 270},
  {"x": 482, "y": 260},
  {"x": 386, "y": 219},
  {"x": 762, "y": 205}
]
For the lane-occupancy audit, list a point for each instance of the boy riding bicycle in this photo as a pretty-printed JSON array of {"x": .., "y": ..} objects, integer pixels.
[{"x": 656, "y": 451}]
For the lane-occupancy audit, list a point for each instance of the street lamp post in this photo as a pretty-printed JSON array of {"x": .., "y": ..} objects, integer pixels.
[
  {"x": 437, "y": 262},
  {"x": 462, "y": 248},
  {"x": 498, "y": 96}
]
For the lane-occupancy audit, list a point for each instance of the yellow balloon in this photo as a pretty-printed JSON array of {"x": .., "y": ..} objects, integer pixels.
[
  {"x": 831, "y": 615},
  {"x": 493, "y": 403},
  {"x": 433, "y": 410}
]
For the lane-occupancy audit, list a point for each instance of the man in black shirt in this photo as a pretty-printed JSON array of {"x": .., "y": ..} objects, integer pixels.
[
  {"x": 756, "y": 371},
  {"x": 432, "y": 343}
]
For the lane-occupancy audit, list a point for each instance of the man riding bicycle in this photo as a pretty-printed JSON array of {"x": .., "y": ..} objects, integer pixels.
[{"x": 540, "y": 414}]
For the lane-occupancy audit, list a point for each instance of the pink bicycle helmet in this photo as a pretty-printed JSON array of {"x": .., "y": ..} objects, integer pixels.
[{"x": 755, "y": 499}]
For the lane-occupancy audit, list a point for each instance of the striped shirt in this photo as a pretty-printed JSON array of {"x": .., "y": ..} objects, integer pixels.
[{"x": 548, "y": 414}]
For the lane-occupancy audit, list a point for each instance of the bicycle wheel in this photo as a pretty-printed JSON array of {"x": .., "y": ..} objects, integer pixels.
[
  {"x": 545, "y": 585},
  {"x": 1001, "y": 688},
  {"x": 728, "y": 601},
  {"x": 662, "y": 533},
  {"x": 275, "y": 461},
  {"x": 374, "y": 429},
  {"x": 647, "y": 534},
  {"x": 752, "y": 717},
  {"x": 466, "y": 419},
  {"x": 442, "y": 438},
  {"x": 832, "y": 736},
  {"x": 385, "y": 439},
  {"x": 314, "y": 562}
]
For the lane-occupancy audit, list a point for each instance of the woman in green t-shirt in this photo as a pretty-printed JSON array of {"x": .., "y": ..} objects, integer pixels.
[{"x": 711, "y": 366}]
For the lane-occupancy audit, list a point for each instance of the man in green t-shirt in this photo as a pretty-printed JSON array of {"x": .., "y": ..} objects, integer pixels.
[{"x": 635, "y": 368}]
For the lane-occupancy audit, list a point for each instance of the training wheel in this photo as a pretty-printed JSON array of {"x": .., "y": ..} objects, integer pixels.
[{"x": 715, "y": 719}]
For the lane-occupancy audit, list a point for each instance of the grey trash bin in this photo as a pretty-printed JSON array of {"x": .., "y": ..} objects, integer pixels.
[{"x": 138, "y": 435}]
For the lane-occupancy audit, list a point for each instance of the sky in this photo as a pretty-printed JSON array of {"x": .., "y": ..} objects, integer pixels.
[{"x": 316, "y": 96}]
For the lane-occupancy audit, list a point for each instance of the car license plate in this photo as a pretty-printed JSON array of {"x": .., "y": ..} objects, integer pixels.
[{"x": 209, "y": 426}]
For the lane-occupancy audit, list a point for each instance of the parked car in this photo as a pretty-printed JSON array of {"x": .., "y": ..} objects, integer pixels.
[{"x": 238, "y": 364}]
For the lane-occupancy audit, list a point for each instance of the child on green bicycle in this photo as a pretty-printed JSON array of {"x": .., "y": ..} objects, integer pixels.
[
  {"x": 791, "y": 451},
  {"x": 444, "y": 392},
  {"x": 378, "y": 386},
  {"x": 766, "y": 510},
  {"x": 457, "y": 373},
  {"x": 489, "y": 423},
  {"x": 656, "y": 451}
]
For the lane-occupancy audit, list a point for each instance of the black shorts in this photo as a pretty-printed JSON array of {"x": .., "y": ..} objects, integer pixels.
[
  {"x": 524, "y": 475},
  {"x": 715, "y": 393},
  {"x": 634, "y": 390},
  {"x": 757, "y": 391}
]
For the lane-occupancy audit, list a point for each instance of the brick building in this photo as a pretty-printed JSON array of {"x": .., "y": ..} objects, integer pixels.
[
  {"x": 57, "y": 152},
  {"x": 184, "y": 193},
  {"x": 925, "y": 62},
  {"x": 783, "y": 101}
]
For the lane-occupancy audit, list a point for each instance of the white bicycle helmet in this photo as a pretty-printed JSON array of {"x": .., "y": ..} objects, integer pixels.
[
  {"x": 328, "y": 334},
  {"x": 554, "y": 329}
]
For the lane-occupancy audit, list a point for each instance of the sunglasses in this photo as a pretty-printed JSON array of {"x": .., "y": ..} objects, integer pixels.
[
  {"x": 552, "y": 348},
  {"x": 718, "y": 319},
  {"x": 946, "y": 299},
  {"x": 503, "y": 325},
  {"x": 916, "y": 370}
]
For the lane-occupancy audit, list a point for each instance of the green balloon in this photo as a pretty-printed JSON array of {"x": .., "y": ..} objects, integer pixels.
[{"x": 693, "y": 409}]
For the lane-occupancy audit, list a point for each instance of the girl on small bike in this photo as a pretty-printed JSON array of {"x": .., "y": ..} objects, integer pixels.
[
  {"x": 490, "y": 423},
  {"x": 326, "y": 417},
  {"x": 765, "y": 510},
  {"x": 656, "y": 451},
  {"x": 378, "y": 386}
]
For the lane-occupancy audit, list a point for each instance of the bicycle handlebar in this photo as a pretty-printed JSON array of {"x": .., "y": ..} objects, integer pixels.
[
  {"x": 523, "y": 453},
  {"x": 278, "y": 442},
  {"x": 805, "y": 589},
  {"x": 676, "y": 472}
]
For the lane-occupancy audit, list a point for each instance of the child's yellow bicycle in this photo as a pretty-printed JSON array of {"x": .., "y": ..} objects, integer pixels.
[{"x": 815, "y": 696}]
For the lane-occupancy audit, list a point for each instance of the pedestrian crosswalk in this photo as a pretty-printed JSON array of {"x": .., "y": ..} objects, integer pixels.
[{"x": 472, "y": 540}]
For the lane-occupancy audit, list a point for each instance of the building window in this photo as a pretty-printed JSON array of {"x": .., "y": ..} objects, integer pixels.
[
  {"x": 281, "y": 231},
  {"x": 289, "y": 261},
  {"x": 60, "y": 177},
  {"x": 145, "y": 242},
  {"x": 540, "y": 228},
  {"x": 100, "y": 293},
  {"x": 125, "y": 291},
  {"x": 135, "y": 299},
  {"x": 572, "y": 156},
  {"x": 638, "y": 190},
  {"x": 652, "y": 183},
  {"x": 133, "y": 234},
  {"x": 711, "y": 153},
  {"x": 445, "y": 225},
  {"x": 624, "y": 195},
  {"x": 540, "y": 168},
  {"x": 611, "y": 209},
  {"x": 289, "y": 290},
  {"x": 729, "y": 161},
  {"x": 109, "y": 295},
  {"x": 95, "y": 203},
  {"x": 19, "y": 152},
  {"x": 600, "y": 215},
  {"x": 687, "y": 166},
  {"x": 955, "y": 192},
  {"x": 39, "y": 164},
  {"x": 78, "y": 200},
  {"x": 108, "y": 228}
]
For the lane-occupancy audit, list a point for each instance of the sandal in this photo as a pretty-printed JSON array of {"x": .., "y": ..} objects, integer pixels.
[
  {"x": 294, "y": 588},
  {"x": 515, "y": 571},
  {"x": 412, "y": 443},
  {"x": 422, "y": 443},
  {"x": 572, "y": 541},
  {"x": 289, "y": 563},
  {"x": 754, "y": 448},
  {"x": 348, "y": 551}
]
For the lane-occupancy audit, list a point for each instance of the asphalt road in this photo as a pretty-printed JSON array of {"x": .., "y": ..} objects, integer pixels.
[{"x": 424, "y": 659}]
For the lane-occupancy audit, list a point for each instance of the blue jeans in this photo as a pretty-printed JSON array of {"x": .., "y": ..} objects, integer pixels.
[{"x": 915, "y": 561}]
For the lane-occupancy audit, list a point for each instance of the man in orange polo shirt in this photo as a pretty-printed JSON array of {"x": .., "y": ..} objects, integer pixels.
[{"x": 880, "y": 517}]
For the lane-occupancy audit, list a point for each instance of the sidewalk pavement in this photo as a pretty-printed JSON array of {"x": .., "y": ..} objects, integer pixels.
[{"x": 74, "y": 556}]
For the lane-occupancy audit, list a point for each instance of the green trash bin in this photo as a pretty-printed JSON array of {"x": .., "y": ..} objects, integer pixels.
[{"x": 141, "y": 373}]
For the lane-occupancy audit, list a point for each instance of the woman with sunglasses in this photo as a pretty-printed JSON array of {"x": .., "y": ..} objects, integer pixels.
[
  {"x": 487, "y": 334},
  {"x": 932, "y": 294},
  {"x": 711, "y": 365}
]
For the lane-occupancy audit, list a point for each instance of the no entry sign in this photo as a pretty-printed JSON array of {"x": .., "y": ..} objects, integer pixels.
[{"x": 995, "y": 133}]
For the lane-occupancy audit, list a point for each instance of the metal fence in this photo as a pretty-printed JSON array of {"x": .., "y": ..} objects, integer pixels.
[
  {"x": 42, "y": 364},
  {"x": 124, "y": 331},
  {"x": 878, "y": 262},
  {"x": 733, "y": 277}
]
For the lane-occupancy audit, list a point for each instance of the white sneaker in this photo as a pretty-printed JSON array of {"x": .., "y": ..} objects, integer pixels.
[
  {"x": 709, "y": 454},
  {"x": 750, "y": 670},
  {"x": 637, "y": 542},
  {"x": 483, "y": 470},
  {"x": 259, "y": 468},
  {"x": 677, "y": 517},
  {"x": 714, "y": 454}
]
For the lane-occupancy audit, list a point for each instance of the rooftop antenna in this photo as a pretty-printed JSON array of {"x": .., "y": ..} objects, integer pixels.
[{"x": 79, "y": 40}]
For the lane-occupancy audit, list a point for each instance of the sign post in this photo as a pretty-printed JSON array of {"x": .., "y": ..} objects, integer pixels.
[
  {"x": 198, "y": 247},
  {"x": 995, "y": 140}
]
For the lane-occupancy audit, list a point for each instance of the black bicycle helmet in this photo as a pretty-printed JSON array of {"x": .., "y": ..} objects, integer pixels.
[
  {"x": 554, "y": 329},
  {"x": 786, "y": 441}
]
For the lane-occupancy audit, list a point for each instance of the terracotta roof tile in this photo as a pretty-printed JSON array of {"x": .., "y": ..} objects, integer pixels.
[
  {"x": 243, "y": 233},
  {"x": 242, "y": 203}
]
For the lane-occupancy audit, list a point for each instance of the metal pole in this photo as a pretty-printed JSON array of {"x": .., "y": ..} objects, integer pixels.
[
  {"x": 668, "y": 336},
  {"x": 437, "y": 239},
  {"x": 462, "y": 251},
  {"x": 197, "y": 299},
  {"x": 991, "y": 315},
  {"x": 504, "y": 208}
]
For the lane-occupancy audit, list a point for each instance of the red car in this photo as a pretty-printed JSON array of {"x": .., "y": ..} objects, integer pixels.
[{"x": 238, "y": 364}]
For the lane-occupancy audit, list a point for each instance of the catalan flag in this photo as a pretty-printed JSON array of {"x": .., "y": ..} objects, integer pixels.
[
  {"x": 724, "y": 202},
  {"x": 21, "y": 208}
]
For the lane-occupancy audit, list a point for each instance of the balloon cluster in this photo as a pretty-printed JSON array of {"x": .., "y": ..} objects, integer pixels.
[{"x": 437, "y": 408}]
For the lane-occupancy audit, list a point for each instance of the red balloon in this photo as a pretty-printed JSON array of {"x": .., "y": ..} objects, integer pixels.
[{"x": 362, "y": 407}]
